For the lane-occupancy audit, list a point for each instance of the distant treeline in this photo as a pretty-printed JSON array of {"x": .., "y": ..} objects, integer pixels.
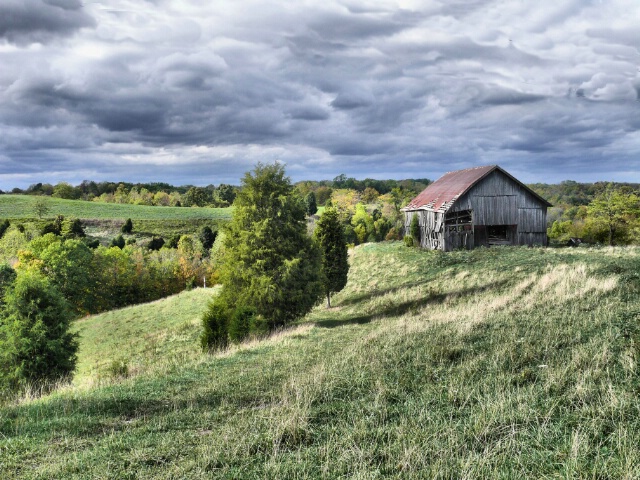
[
  {"x": 572, "y": 194},
  {"x": 155, "y": 193},
  {"x": 164, "y": 194},
  {"x": 567, "y": 193}
]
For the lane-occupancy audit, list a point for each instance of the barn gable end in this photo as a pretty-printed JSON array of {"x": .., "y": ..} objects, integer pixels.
[{"x": 478, "y": 206}]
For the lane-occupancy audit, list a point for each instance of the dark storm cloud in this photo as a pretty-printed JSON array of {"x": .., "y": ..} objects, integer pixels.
[
  {"x": 188, "y": 93},
  {"x": 29, "y": 21}
]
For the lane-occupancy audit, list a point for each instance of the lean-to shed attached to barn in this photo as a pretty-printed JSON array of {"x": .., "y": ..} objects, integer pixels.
[{"x": 478, "y": 206}]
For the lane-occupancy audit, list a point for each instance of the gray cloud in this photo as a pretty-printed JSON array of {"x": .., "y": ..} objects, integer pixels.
[
  {"x": 188, "y": 93},
  {"x": 29, "y": 21}
]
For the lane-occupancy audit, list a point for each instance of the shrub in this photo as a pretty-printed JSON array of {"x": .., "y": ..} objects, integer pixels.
[
  {"x": 408, "y": 240},
  {"x": 92, "y": 243},
  {"x": 72, "y": 228},
  {"x": 414, "y": 228},
  {"x": 7, "y": 277},
  {"x": 54, "y": 227},
  {"x": 155, "y": 243},
  {"x": 3, "y": 227},
  {"x": 127, "y": 227},
  {"x": 393, "y": 234},
  {"x": 240, "y": 323},
  {"x": 118, "y": 242},
  {"x": 207, "y": 237},
  {"x": 172, "y": 242},
  {"x": 215, "y": 322},
  {"x": 310, "y": 203},
  {"x": 36, "y": 347}
]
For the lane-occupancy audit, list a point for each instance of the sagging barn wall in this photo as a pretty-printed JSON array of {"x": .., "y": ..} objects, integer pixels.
[{"x": 495, "y": 211}]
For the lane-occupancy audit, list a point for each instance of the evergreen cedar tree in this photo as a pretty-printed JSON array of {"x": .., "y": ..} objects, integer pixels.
[
  {"x": 36, "y": 347},
  {"x": 335, "y": 263},
  {"x": 270, "y": 267},
  {"x": 207, "y": 237},
  {"x": 118, "y": 242},
  {"x": 415, "y": 229},
  {"x": 310, "y": 202},
  {"x": 127, "y": 227}
]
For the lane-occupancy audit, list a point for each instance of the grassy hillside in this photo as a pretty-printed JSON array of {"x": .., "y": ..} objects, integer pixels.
[
  {"x": 140, "y": 337},
  {"x": 503, "y": 362}
]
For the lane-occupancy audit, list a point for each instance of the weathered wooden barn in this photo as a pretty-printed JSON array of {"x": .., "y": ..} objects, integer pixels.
[{"x": 478, "y": 206}]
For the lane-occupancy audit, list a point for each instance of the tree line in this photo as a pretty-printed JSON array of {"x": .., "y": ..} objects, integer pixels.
[
  {"x": 611, "y": 217},
  {"x": 164, "y": 194}
]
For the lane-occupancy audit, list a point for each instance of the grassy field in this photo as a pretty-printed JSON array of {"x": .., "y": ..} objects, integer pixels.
[
  {"x": 494, "y": 363},
  {"x": 21, "y": 207},
  {"x": 104, "y": 220}
]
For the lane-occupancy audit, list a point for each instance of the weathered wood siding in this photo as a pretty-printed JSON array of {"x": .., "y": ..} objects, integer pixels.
[
  {"x": 495, "y": 200},
  {"x": 498, "y": 200},
  {"x": 431, "y": 228}
]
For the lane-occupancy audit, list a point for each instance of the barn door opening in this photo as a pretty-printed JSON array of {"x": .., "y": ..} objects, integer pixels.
[{"x": 498, "y": 235}]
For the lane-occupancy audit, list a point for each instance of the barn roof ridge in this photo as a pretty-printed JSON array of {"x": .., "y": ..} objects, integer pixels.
[{"x": 442, "y": 194}]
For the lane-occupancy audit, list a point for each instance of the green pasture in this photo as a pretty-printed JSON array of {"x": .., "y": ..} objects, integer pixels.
[
  {"x": 22, "y": 207},
  {"x": 104, "y": 220}
]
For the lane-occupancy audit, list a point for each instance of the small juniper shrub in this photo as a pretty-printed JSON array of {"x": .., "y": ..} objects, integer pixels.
[
  {"x": 408, "y": 240},
  {"x": 156, "y": 243},
  {"x": 240, "y": 323},
  {"x": 127, "y": 227},
  {"x": 214, "y": 322},
  {"x": 118, "y": 242}
]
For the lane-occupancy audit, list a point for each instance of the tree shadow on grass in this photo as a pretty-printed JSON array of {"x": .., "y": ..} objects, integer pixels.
[
  {"x": 403, "y": 308},
  {"x": 360, "y": 297}
]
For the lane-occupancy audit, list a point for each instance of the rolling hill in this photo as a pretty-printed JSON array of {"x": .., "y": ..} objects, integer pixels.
[{"x": 502, "y": 362}]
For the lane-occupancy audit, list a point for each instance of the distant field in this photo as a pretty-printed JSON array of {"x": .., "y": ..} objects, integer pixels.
[
  {"x": 505, "y": 362},
  {"x": 21, "y": 207}
]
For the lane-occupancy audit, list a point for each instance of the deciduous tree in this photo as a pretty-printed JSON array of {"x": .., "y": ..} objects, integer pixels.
[
  {"x": 613, "y": 211},
  {"x": 41, "y": 207}
]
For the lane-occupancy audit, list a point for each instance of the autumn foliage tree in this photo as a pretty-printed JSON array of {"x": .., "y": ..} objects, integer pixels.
[{"x": 612, "y": 213}]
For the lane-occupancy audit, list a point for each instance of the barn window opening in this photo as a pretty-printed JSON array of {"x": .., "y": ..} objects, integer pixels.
[{"x": 460, "y": 221}]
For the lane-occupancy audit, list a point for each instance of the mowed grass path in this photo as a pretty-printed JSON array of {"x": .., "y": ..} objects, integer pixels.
[
  {"x": 22, "y": 207},
  {"x": 495, "y": 363}
]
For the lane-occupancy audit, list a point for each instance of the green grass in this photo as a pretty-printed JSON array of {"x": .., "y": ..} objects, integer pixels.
[
  {"x": 104, "y": 220},
  {"x": 495, "y": 363},
  {"x": 21, "y": 207},
  {"x": 142, "y": 336}
]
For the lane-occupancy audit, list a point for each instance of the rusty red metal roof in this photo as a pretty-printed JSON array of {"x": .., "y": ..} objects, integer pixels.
[{"x": 442, "y": 194}]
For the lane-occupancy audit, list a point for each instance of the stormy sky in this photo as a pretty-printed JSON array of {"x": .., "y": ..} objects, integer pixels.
[{"x": 193, "y": 92}]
